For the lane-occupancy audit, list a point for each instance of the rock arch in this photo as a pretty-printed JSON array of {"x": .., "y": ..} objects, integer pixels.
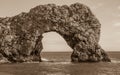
[{"x": 21, "y": 35}]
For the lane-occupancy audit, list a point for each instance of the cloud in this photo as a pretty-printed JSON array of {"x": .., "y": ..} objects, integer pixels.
[
  {"x": 119, "y": 7},
  {"x": 98, "y": 6},
  {"x": 118, "y": 33},
  {"x": 117, "y": 24}
]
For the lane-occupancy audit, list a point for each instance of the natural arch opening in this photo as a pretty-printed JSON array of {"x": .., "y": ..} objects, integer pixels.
[{"x": 55, "y": 48}]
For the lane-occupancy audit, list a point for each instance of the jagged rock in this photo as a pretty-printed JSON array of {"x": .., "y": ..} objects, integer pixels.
[{"x": 21, "y": 35}]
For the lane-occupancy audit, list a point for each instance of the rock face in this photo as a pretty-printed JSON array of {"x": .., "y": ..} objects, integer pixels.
[{"x": 21, "y": 35}]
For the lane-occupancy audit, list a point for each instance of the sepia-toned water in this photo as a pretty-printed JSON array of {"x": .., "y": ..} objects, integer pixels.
[{"x": 58, "y": 63}]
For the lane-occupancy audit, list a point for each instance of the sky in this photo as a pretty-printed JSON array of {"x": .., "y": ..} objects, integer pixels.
[{"x": 107, "y": 11}]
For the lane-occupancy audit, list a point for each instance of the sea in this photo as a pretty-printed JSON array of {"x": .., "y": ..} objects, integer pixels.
[{"x": 59, "y": 63}]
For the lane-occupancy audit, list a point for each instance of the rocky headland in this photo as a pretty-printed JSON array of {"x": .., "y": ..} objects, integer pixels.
[{"x": 21, "y": 35}]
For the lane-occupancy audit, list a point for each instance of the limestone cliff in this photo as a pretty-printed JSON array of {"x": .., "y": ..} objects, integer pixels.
[{"x": 21, "y": 35}]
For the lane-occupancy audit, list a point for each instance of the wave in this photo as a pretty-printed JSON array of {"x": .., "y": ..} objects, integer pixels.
[
  {"x": 114, "y": 60},
  {"x": 44, "y": 59}
]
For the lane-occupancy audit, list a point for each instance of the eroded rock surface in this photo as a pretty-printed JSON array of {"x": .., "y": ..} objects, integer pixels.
[{"x": 21, "y": 35}]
